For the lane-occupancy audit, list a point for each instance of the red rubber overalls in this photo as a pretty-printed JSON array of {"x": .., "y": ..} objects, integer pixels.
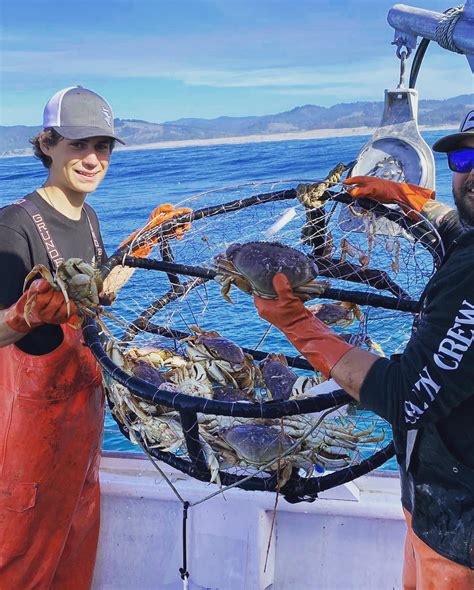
[
  {"x": 51, "y": 419},
  {"x": 424, "y": 569}
]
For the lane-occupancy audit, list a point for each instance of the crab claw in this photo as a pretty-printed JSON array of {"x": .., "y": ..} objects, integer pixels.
[
  {"x": 27, "y": 309},
  {"x": 39, "y": 269},
  {"x": 75, "y": 322}
]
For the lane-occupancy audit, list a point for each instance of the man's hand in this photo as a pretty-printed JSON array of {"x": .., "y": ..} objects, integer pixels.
[
  {"x": 40, "y": 304},
  {"x": 159, "y": 216},
  {"x": 284, "y": 310},
  {"x": 316, "y": 342},
  {"x": 410, "y": 197}
]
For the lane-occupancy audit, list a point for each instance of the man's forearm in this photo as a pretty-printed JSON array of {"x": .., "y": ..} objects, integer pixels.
[
  {"x": 352, "y": 369},
  {"x": 7, "y": 335},
  {"x": 435, "y": 211}
]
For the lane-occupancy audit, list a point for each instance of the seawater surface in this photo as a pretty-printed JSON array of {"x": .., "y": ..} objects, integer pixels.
[{"x": 139, "y": 180}]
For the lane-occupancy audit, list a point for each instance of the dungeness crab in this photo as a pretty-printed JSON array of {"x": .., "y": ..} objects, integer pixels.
[
  {"x": 331, "y": 442},
  {"x": 251, "y": 268},
  {"x": 224, "y": 361},
  {"x": 281, "y": 383},
  {"x": 76, "y": 279},
  {"x": 256, "y": 446},
  {"x": 341, "y": 313}
]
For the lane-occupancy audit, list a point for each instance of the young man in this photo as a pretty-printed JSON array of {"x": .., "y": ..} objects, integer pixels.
[
  {"x": 52, "y": 401},
  {"x": 428, "y": 393},
  {"x": 51, "y": 405}
]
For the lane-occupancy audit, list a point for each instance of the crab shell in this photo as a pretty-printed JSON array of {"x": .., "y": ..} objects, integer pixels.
[
  {"x": 147, "y": 372},
  {"x": 258, "y": 262},
  {"x": 221, "y": 348},
  {"x": 331, "y": 313},
  {"x": 227, "y": 393},
  {"x": 256, "y": 443},
  {"x": 279, "y": 379}
]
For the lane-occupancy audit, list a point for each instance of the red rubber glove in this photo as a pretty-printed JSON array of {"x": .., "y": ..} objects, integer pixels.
[
  {"x": 316, "y": 342},
  {"x": 409, "y": 196},
  {"x": 47, "y": 306},
  {"x": 159, "y": 216}
]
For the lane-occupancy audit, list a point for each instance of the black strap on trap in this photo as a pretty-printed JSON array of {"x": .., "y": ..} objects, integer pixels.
[{"x": 183, "y": 571}]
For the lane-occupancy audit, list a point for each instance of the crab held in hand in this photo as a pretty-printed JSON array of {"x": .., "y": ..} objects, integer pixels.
[
  {"x": 77, "y": 280},
  {"x": 252, "y": 266}
]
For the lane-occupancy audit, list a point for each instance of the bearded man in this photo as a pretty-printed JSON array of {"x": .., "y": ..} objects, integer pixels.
[{"x": 426, "y": 393}]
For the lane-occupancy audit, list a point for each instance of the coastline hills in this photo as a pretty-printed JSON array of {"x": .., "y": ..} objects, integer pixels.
[{"x": 306, "y": 121}]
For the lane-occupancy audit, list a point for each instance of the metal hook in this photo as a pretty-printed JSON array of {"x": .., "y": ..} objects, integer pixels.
[
  {"x": 403, "y": 53},
  {"x": 403, "y": 56},
  {"x": 403, "y": 41}
]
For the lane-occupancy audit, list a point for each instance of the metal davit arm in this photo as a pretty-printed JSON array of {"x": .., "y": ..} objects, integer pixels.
[{"x": 458, "y": 35}]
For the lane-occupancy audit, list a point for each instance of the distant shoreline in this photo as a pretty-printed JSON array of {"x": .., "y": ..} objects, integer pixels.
[
  {"x": 301, "y": 135},
  {"x": 312, "y": 134}
]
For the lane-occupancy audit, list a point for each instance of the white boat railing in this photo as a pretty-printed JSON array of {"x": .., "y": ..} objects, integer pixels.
[{"x": 350, "y": 538}]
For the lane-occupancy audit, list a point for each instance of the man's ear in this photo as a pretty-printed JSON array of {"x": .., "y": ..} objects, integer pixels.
[{"x": 44, "y": 147}]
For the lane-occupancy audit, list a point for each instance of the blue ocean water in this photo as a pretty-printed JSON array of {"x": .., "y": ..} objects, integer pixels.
[{"x": 139, "y": 180}]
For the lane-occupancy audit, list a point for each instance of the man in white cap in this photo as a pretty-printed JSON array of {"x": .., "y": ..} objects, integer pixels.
[
  {"x": 427, "y": 394},
  {"x": 52, "y": 401},
  {"x": 51, "y": 407}
]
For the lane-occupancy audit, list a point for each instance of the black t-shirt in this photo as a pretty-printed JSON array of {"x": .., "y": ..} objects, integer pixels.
[
  {"x": 433, "y": 380},
  {"x": 21, "y": 248}
]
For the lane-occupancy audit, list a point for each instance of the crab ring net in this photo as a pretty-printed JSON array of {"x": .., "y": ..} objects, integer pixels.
[{"x": 173, "y": 382}]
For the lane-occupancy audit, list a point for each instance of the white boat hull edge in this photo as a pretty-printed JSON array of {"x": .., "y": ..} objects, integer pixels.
[{"x": 350, "y": 538}]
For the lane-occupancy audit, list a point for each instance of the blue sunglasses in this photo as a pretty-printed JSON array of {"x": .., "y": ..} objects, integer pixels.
[{"x": 461, "y": 160}]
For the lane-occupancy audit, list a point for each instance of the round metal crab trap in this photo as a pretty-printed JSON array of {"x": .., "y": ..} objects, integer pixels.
[{"x": 199, "y": 381}]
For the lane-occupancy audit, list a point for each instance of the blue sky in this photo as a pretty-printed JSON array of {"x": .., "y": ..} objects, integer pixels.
[{"x": 161, "y": 60}]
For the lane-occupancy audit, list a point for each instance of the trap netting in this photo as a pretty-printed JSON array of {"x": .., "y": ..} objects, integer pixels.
[{"x": 208, "y": 387}]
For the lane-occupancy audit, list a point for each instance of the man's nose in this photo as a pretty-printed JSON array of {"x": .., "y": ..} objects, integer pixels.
[{"x": 91, "y": 159}]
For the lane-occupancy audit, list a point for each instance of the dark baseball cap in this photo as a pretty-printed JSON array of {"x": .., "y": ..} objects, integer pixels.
[
  {"x": 456, "y": 140},
  {"x": 78, "y": 113}
]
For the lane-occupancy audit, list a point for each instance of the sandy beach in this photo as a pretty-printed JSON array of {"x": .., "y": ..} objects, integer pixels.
[
  {"x": 313, "y": 134},
  {"x": 301, "y": 135}
]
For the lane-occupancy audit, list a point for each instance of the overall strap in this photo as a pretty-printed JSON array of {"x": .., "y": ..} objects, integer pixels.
[
  {"x": 40, "y": 224},
  {"x": 97, "y": 247},
  {"x": 52, "y": 251}
]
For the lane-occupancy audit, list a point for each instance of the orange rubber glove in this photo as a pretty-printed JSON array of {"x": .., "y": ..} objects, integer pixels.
[
  {"x": 47, "y": 306},
  {"x": 159, "y": 216},
  {"x": 316, "y": 342},
  {"x": 409, "y": 196}
]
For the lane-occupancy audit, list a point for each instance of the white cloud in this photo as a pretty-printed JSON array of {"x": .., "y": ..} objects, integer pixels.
[
  {"x": 440, "y": 75},
  {"x": 319, "y": 83}
]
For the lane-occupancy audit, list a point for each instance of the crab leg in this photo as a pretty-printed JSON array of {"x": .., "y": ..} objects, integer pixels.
[
  {"x": 331, "y": 462},
  {"x": 312, "y": 288}
]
